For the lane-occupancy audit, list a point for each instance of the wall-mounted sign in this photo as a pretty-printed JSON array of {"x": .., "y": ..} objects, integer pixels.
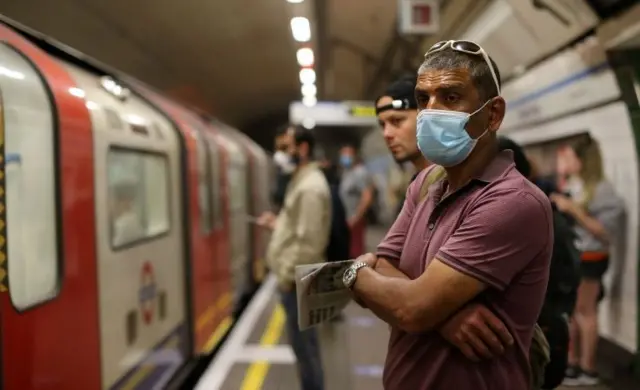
[
  {"x": 346, "y": 113},
  {"x": 419, "y": 16},
  {"x": 367, "y": 111}
]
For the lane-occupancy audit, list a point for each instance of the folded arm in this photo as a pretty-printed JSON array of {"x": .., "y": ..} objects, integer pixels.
[{"x": 487, "y": 250}]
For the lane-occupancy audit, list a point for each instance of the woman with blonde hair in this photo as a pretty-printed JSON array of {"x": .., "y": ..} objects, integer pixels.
[{"x": 597, "y": 211}]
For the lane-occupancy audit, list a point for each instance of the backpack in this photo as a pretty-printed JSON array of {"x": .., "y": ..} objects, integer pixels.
[
  {"x": 340, "y": 235},
  {"x": 539, "y": 352},
  {"x": 564, "y": 278},
  {"x": 564, "y": 271}
]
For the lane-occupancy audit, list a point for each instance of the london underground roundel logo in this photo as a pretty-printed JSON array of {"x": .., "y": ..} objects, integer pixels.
[{"x": 147, "y": 292}]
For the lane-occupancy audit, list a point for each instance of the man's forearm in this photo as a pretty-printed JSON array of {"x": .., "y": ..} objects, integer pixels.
[
  {"x": 383, "y": 295},
  {"x": 386, "y": 268}
]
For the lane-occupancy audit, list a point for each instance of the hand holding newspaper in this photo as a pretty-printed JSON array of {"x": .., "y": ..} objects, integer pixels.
[{"x": 320, "y": 291}]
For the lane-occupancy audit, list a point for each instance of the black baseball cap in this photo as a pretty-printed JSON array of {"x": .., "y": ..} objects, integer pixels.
[{"x": 402, "y": 91}]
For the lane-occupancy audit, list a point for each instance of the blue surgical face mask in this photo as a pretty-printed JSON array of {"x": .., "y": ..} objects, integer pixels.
[
  {"x": 346, "y": 160},
  {"x": 442, "y": 138}
]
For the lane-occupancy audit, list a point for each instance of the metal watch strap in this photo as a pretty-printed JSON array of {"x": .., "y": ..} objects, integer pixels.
[{"x": 355, "y": 267}]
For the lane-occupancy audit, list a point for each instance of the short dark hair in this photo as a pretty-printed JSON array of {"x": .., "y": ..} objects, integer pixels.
[
  {"x": 302, "y": 135},
  {"x": 282, "y": 129},
  {"x": 477, "y": 66}
]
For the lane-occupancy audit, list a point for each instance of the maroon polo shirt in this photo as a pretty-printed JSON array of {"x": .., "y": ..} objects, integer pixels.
[{"x": 497, "y": 229}]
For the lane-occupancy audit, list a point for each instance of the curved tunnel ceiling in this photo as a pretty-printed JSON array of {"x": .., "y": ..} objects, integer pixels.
[{"x": 236, "y": 59}]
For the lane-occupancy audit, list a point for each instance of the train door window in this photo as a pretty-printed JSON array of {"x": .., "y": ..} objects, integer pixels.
[
  {"x": 138, "y": 196},
  {"x": 216, "y": 190},
  {"x": 204, "y": 185},
  {"x": 26, "y": 116}
]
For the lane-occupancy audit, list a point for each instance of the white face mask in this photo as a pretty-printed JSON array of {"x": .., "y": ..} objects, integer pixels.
[
  {"x": 283, "y": 161},
  {"x": 575, "y": 187}
]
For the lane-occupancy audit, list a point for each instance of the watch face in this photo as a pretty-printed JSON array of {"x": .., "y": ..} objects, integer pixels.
[{"x": 349, "y": 277}]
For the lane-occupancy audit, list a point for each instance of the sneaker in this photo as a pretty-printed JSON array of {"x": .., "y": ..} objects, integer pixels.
[
  {"x": 589, "y": 378},
  {"x": 572, "y": 376}
]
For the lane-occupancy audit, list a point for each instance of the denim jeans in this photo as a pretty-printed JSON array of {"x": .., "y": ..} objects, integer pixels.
[{"x": 304, "y": 344}]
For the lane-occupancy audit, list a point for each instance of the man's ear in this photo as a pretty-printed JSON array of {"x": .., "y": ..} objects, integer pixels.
[{"x": 496, "y": 115}]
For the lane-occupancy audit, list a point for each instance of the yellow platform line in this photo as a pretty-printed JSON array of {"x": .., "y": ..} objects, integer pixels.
[
  {"x": 257, "y": 372},
  {"x": 212, "y": 310},
  {"x": 217, "y": 335}
]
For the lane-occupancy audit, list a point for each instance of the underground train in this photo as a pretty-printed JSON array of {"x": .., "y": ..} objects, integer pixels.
[{"x": 125, "y": 242}]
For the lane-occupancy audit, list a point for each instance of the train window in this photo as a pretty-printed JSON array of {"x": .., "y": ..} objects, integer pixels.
[
  {"x": 204, "y": 185},
  {"x": 31, "y": 177},
  {"x": 138, "y": 196}
]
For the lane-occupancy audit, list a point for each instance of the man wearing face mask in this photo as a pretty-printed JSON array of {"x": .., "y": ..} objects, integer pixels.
[
  {"x": 284, "y": 166},
  {"x": 483, "y": 234},
  {"x": 356, "y": 191},
  {"x": 300, "y": 236},
  {"x": 397, "y": 110}
]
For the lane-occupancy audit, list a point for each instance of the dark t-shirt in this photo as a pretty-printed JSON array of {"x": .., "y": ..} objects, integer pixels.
[{"x": 497, "y": 229}]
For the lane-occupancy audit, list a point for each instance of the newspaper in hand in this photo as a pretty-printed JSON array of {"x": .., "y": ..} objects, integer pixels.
[{"x": 321, "y": 292}]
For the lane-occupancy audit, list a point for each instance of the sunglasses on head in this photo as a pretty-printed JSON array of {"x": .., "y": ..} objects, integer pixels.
[{"x": 466, "y": 47}]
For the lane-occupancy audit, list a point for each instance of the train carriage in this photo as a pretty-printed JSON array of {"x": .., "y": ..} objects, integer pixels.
[
  {"x": 257, "y": 201},
  {"x": 208, "y": 204},
  {"x": 125, "y": 228},
  {"x": 239, "y": 203},
  {"x": 139, "y": 230}
]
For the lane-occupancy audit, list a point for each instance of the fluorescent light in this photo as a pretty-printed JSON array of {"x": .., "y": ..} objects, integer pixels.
[
  {"x": 308, "y": 123},
  {"x": 309, "y": 101},
  {"x": 301, "y": 29},
  {"x": 307, "y": 76},
  {"x": 305, "y": 56},
  {"x": 295, "y": 1},
  {"x": 308, "y": 90},
  {"x": 77, "y": 92}
]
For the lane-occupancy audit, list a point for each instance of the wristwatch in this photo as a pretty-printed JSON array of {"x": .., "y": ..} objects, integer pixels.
[{"x": 349, "y": 276}]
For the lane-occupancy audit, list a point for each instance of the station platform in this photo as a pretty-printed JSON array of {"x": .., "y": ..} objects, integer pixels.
[{"x": 256, "y": 354}]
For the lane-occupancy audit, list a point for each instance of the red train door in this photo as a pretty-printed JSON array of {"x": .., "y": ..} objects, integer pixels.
[{"x": 48, "y": 305}]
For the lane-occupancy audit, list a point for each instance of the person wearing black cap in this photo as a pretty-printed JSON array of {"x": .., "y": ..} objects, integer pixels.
[{"x": 397, "y": 111}]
